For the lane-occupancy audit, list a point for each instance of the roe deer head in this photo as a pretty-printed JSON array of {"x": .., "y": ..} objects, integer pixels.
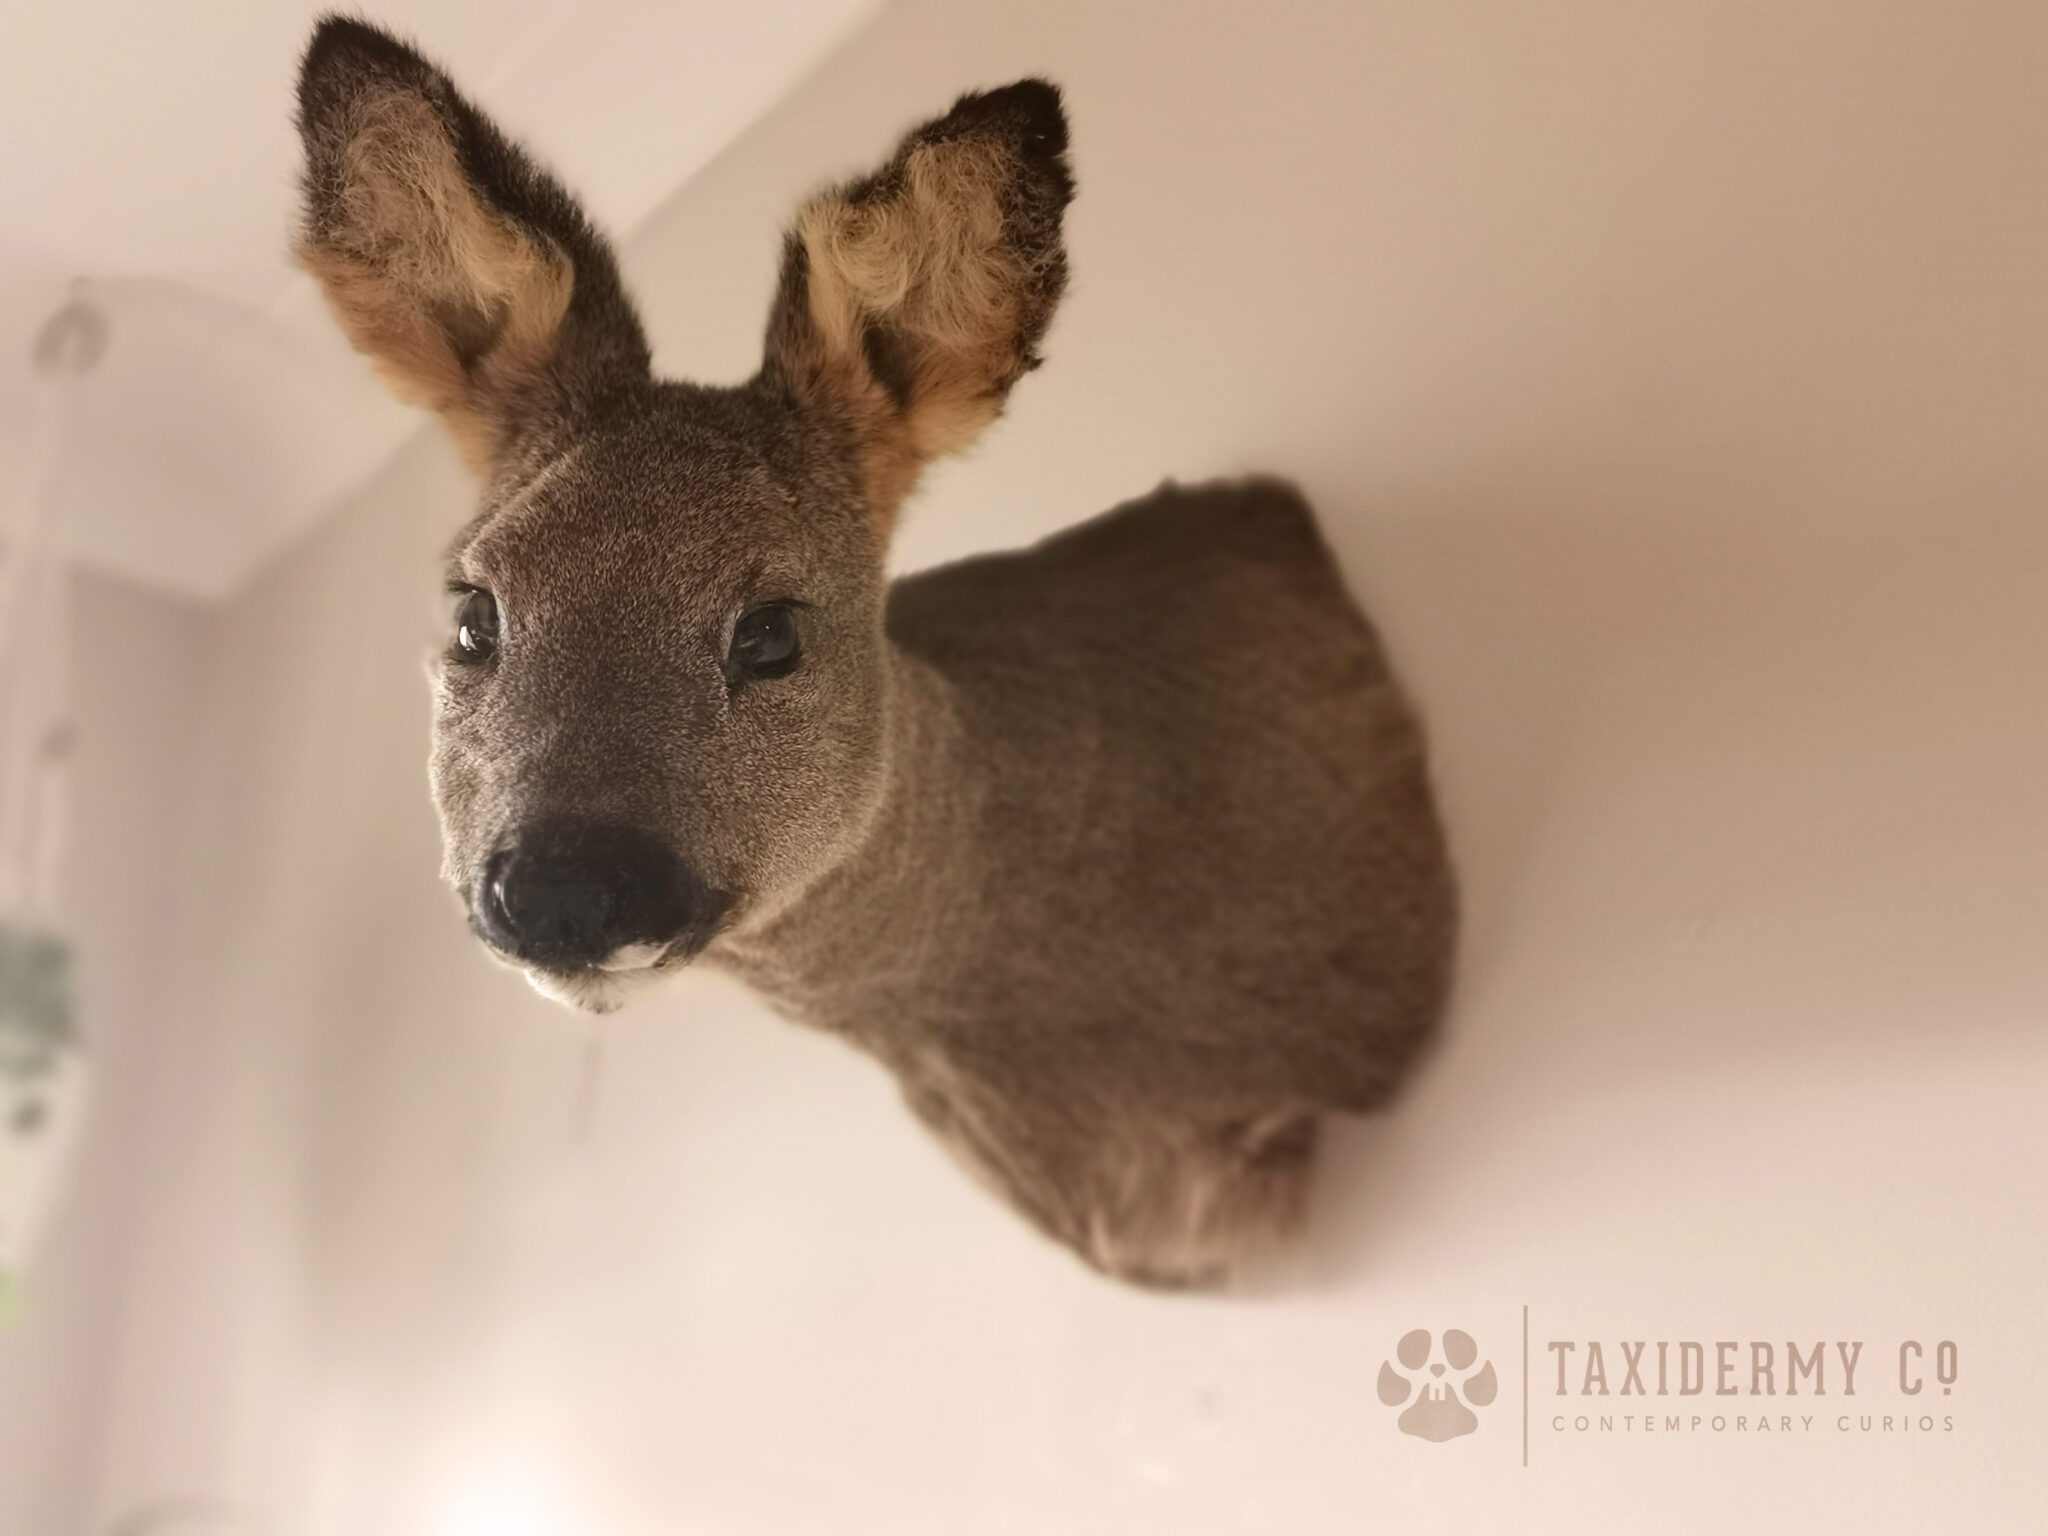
[{"x": 1119, "y": 852}]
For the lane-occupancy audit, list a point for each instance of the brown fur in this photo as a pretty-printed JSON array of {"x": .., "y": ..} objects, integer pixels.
[
  {"x": 1119, "y": 852},
  {"x": 459, "y": 309},
  {"x": 929, "y": 264}
]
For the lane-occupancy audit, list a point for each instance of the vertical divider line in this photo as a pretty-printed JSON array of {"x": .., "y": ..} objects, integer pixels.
[{"x": 1525, "y": 1383}]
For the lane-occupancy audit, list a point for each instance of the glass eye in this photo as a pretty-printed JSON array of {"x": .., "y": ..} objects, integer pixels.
[
  {"x": 765, "y": 642},
  {"x": 476, "y": 626}
]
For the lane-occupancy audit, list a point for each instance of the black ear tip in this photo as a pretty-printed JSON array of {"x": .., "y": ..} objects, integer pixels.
[
  {"x": 1029, "y": 108},
  {"x": 1034, "y": 99},
  {"x": 346, "y": 51},
  {"x": 345, "y": 40},
  {"x": 1035, "y": 104}
]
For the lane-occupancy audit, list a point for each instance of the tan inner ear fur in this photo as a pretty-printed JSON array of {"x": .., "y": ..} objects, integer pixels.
[
  {"x": 929, "y": 263},
  {"x": 459, "y": 309}
]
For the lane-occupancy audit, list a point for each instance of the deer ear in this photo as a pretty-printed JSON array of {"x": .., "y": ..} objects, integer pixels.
[
  {"x": 464, "y": 271},
  {"x": 911, "y": 300}
]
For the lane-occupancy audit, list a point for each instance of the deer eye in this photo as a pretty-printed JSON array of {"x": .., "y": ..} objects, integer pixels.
[
  {"x": 765, "y": 642},
  {"x": 476, "y": 626}
]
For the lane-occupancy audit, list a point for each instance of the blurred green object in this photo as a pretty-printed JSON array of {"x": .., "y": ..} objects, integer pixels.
[
  {"x": 35, "y": 1000},
  {"x": 41, "y": 1086}
]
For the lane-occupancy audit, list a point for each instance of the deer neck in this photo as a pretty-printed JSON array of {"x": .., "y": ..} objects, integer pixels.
[{"x": 829, "y": 953}]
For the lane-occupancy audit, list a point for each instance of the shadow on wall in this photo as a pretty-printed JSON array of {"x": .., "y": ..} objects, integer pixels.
[{"x": 1734, "y": 795}]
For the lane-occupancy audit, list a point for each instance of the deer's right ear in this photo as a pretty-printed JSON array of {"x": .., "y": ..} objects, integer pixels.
[
  {"x": 463, "y": 270},
  {"x": 912, "y": 299}
]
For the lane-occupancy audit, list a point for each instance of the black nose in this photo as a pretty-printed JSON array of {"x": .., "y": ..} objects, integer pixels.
[{"x": 567, "y": 894}]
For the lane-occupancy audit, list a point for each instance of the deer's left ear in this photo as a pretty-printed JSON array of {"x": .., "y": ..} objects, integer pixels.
[
  {"x": 912, "y": 299},
  {"x": 467, "y": 274}
]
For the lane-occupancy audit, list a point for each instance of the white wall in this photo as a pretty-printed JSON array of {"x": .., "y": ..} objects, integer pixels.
[
  {"x": 139, "y": 669},
  {"x": 1672, "y": 385}
]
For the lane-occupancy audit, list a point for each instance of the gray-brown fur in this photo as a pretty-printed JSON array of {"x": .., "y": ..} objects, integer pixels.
[{"x": 1118, "y": 851}]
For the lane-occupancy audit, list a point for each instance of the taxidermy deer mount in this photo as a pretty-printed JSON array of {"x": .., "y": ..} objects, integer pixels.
[{"x": 1118, "y": 851}]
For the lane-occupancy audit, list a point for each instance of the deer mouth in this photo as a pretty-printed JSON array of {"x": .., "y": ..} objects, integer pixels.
[
  {"x": 607, "y": 985},
  {"x": 634, "y": 957},
  {"x": 593, "y": 990}
]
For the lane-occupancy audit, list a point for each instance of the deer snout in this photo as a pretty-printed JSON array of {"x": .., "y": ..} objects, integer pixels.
[{"x": 569, "y": 895}]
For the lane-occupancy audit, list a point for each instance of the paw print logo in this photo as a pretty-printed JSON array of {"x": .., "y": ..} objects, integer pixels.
[{"x": 1439, "y": 1413}]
